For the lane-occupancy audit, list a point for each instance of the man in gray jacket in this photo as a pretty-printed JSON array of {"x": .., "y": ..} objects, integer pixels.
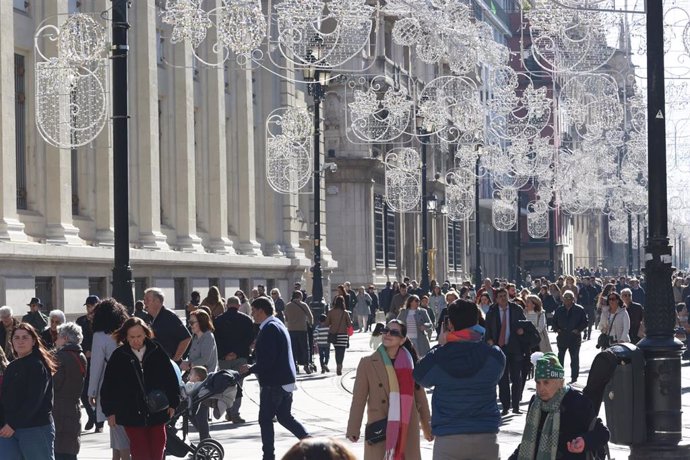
[{"x": 299, "y": 319}]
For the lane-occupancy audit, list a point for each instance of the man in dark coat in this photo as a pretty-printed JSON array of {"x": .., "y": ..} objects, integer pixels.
[
  {"x": 234, "y": 335},
  {"x": 502, "y": 329},
  {"x": 587, "y": 297},
  {"x": 569, "y": 321},
  {"x": 636, "y": 313},
  {"x": 34, "y": 317},
  {"x": 275, "y": 369},
  {"x": 571, "y": 409},
  {"x": 84, "y": 322},
  {"x": 385, "y": 297}
]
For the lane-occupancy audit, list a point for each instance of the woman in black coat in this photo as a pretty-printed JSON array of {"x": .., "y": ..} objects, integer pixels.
[
  {"x": 122, "y": 398},
  {"x": 26, "y": 401}
]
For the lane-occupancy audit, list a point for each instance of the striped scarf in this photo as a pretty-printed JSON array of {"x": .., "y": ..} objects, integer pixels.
[{"x": 400, "y": 401}]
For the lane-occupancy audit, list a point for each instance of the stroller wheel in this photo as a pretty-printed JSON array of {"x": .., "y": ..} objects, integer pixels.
[{"x": 209, "y": 449}]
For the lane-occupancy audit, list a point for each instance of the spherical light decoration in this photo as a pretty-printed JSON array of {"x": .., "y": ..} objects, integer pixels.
[
  {"x": 407, "y": 31},
  {"x": 241, "y": 25},
  {"x": 81, "y": 40},
  {"x": 188, "y": 19}
]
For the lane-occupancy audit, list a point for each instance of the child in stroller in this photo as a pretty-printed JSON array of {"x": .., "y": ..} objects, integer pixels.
[{"x": 218, "y": 390}]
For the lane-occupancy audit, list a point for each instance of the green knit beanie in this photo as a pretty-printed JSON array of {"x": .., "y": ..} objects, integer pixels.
[{"x": 548, "y": 367}]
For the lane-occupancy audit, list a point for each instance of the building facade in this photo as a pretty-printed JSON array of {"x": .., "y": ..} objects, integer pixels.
[{"x": 201, "y": 211}]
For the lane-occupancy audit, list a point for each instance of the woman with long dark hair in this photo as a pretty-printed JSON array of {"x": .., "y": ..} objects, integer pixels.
[
  {"x": 214, "y": 301},
  {"x": 138, "y": 369},
  {"x": 394, "y": 403},
  {"x": 26, "y": 399},
  {"x": 108, "y": 316},
  {"x": 338, "y": 321}
]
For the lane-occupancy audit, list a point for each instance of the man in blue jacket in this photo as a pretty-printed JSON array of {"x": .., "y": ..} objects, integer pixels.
[
  {"x": 465, "y": 372},
  {"x": 275, "y": 368}
]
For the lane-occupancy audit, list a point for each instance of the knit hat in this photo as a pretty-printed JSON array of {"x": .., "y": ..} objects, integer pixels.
[{"x": 547, "y": 366}]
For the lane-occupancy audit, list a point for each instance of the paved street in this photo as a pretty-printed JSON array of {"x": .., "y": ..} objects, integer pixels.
[{"x": 322, "y": 404}]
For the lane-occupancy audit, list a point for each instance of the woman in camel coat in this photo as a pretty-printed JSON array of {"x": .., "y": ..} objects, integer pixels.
[{"x": 372, "y": 390}]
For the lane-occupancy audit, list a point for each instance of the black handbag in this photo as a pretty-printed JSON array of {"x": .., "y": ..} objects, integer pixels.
[
  {"x": 604, "y": 341},
  {"x": 156, "y": 400},
  {"x": 375, "y": 432}
]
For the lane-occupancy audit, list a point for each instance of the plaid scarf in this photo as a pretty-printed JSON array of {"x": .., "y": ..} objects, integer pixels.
[
  {"x": 548, "y": 442},
  {"x": 400, "y": 402}
]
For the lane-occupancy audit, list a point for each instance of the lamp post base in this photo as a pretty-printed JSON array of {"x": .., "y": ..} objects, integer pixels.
[
  {"x": 318, "y": 308},
  {"x": 647, "y": 451}
]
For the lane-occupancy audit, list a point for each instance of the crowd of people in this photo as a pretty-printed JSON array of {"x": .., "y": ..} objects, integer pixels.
[{"x": 126, "y": 368}]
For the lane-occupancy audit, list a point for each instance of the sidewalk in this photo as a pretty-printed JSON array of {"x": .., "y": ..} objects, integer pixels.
[{"x": 322, "y": 403}]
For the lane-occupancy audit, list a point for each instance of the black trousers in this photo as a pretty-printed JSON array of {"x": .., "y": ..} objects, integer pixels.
[
  {"x": 573, "y": 347},
  {"x": 510, "y": 385},
  {"x": 339, "y": 355},
  {"x": 90, "y": 410}
]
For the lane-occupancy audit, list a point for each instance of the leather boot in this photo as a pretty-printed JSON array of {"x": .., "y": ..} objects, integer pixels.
[{"x": 339, "y": 369}]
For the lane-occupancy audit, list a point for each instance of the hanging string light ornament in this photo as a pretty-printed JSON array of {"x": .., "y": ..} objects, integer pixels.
[
  {"x": 403, "y": 179},
  {"x": 288, "y": 149},
  {"x": 378, "y": 112},
  {"x": 460, "y": 193},
  {"x": 570, "y": 40},
  {"x": 318, "y": 33},
  {"x": 446, "y": 30},
  {"x": 240, "y": 27},
  {"x": 71, "y": 86}
]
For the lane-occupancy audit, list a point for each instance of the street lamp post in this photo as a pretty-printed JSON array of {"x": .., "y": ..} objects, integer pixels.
[
  {"x": 317, "y": 80},
  {"x": 477, "y": 230},
  {"x": 122, "y": 272},
  {"x": 661, "y": 349},
  {"x": 424, "y": 139}
]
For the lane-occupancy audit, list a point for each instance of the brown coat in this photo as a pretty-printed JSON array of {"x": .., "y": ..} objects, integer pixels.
[
  {"x": 217, "y": 308},
  {"x": 67, "y": 385},
  {"x": 372, "y": 390},
  {"x": 336, "y": 323}
]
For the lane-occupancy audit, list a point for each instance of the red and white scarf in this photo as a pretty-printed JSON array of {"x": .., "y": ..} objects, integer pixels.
[{"x": 400, "y": 401}]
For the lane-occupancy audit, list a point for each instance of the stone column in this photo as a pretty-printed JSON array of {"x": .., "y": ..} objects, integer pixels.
[
  {"x": 10, "y": 227},
  {"x": 217, "y": 173},
  {"x": 184, "y": 190},
  {"x": 243, "y": 149},
  {"x": 59, "y": 227},
  {"x": 145, "y": 187}
]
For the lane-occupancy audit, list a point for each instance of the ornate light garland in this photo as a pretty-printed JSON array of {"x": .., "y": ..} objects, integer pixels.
[{"x": 289, "y": 165}]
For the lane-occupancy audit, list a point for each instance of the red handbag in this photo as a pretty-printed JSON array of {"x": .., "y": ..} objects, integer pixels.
[{"x": 350, "y": 330}]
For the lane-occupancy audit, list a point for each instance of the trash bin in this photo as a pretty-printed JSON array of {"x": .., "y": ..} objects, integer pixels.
[{"x": 624, "y": 397}]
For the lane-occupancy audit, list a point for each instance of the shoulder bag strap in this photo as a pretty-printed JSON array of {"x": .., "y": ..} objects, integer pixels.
[{"x": 140, "y": 379}]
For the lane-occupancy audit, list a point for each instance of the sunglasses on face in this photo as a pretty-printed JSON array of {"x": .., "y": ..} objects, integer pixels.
[{"x": 392, "y": 332}]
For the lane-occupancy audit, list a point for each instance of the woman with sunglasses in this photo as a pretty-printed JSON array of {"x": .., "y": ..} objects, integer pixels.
[
  {"x": 618, "y": 321},
  {"x": 395, "y": 405}
]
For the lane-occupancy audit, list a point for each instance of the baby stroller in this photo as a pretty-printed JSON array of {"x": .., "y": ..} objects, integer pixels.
[{"x": 220, "y": 387}]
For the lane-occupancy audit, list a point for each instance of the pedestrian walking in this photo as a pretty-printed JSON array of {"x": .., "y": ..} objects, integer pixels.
[
  {"x": 322, "y": 344},
  {"x": 214, "y": 301},
  {"x": 274, "y": 367},
  {"x": 484, "y": 303},
  {"x": 561, "y": 422},
  {"x": 38, "y": 320},
  {"x": 338, "y": 321},
  {"x": 85, "y": 323},
  {"x": 603, "y": 307},
  {"x": 141, "y": 313},
  {"x": 26, "y": 399},
  {"x": 587, "y": 297},
  {"x": 569, "y": 321},
  {"x": 502, "y": 329},
  {"x": 140, "y": 389},
  {"x": 193, "y": 304},
  {"x": 68, "y": 382},
  {"x": 636, "y": 313},
  {"x": 437, "y": 301},
  {"x": 398, "y": 302},
  {"x": 234, "y": 335},
  {"x": 535, "y": 314},
  {"x": 108, "y": 316},
  {"x": 202, "y": 351},
  {"x": 617, "y": 322},
  {"x": 299, "y": 320},
  {"x": 464, "y": 373},
  {"x": 385, "y": 297},
  {"x": 373, "y": 307},
  {"x": 279, "y": 304},
  {"x": 245, "y": 307},
  {"x": 170, "y": 333},
  {"x": 362, "y": 309},
  {"x": 8, "y": 324},
  {"x": 49, "y": 334},
  {"x": 395, "y": 405},
  {"x": 451, "y": 296},
  {"x": 417, "y": 324}
]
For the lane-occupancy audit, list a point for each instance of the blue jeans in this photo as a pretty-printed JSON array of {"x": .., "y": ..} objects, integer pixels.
[
  {"x": 324, "y": 354},
  {"x": 274, "y": 401},
  {"x": 29, "y": 444}
]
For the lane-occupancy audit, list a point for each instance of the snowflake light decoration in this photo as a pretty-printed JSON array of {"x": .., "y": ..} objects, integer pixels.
[
  {"x": 378, "y": 112},
  {"x": 288, "y": 149},
  {"x": 403, "y": 179}
]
